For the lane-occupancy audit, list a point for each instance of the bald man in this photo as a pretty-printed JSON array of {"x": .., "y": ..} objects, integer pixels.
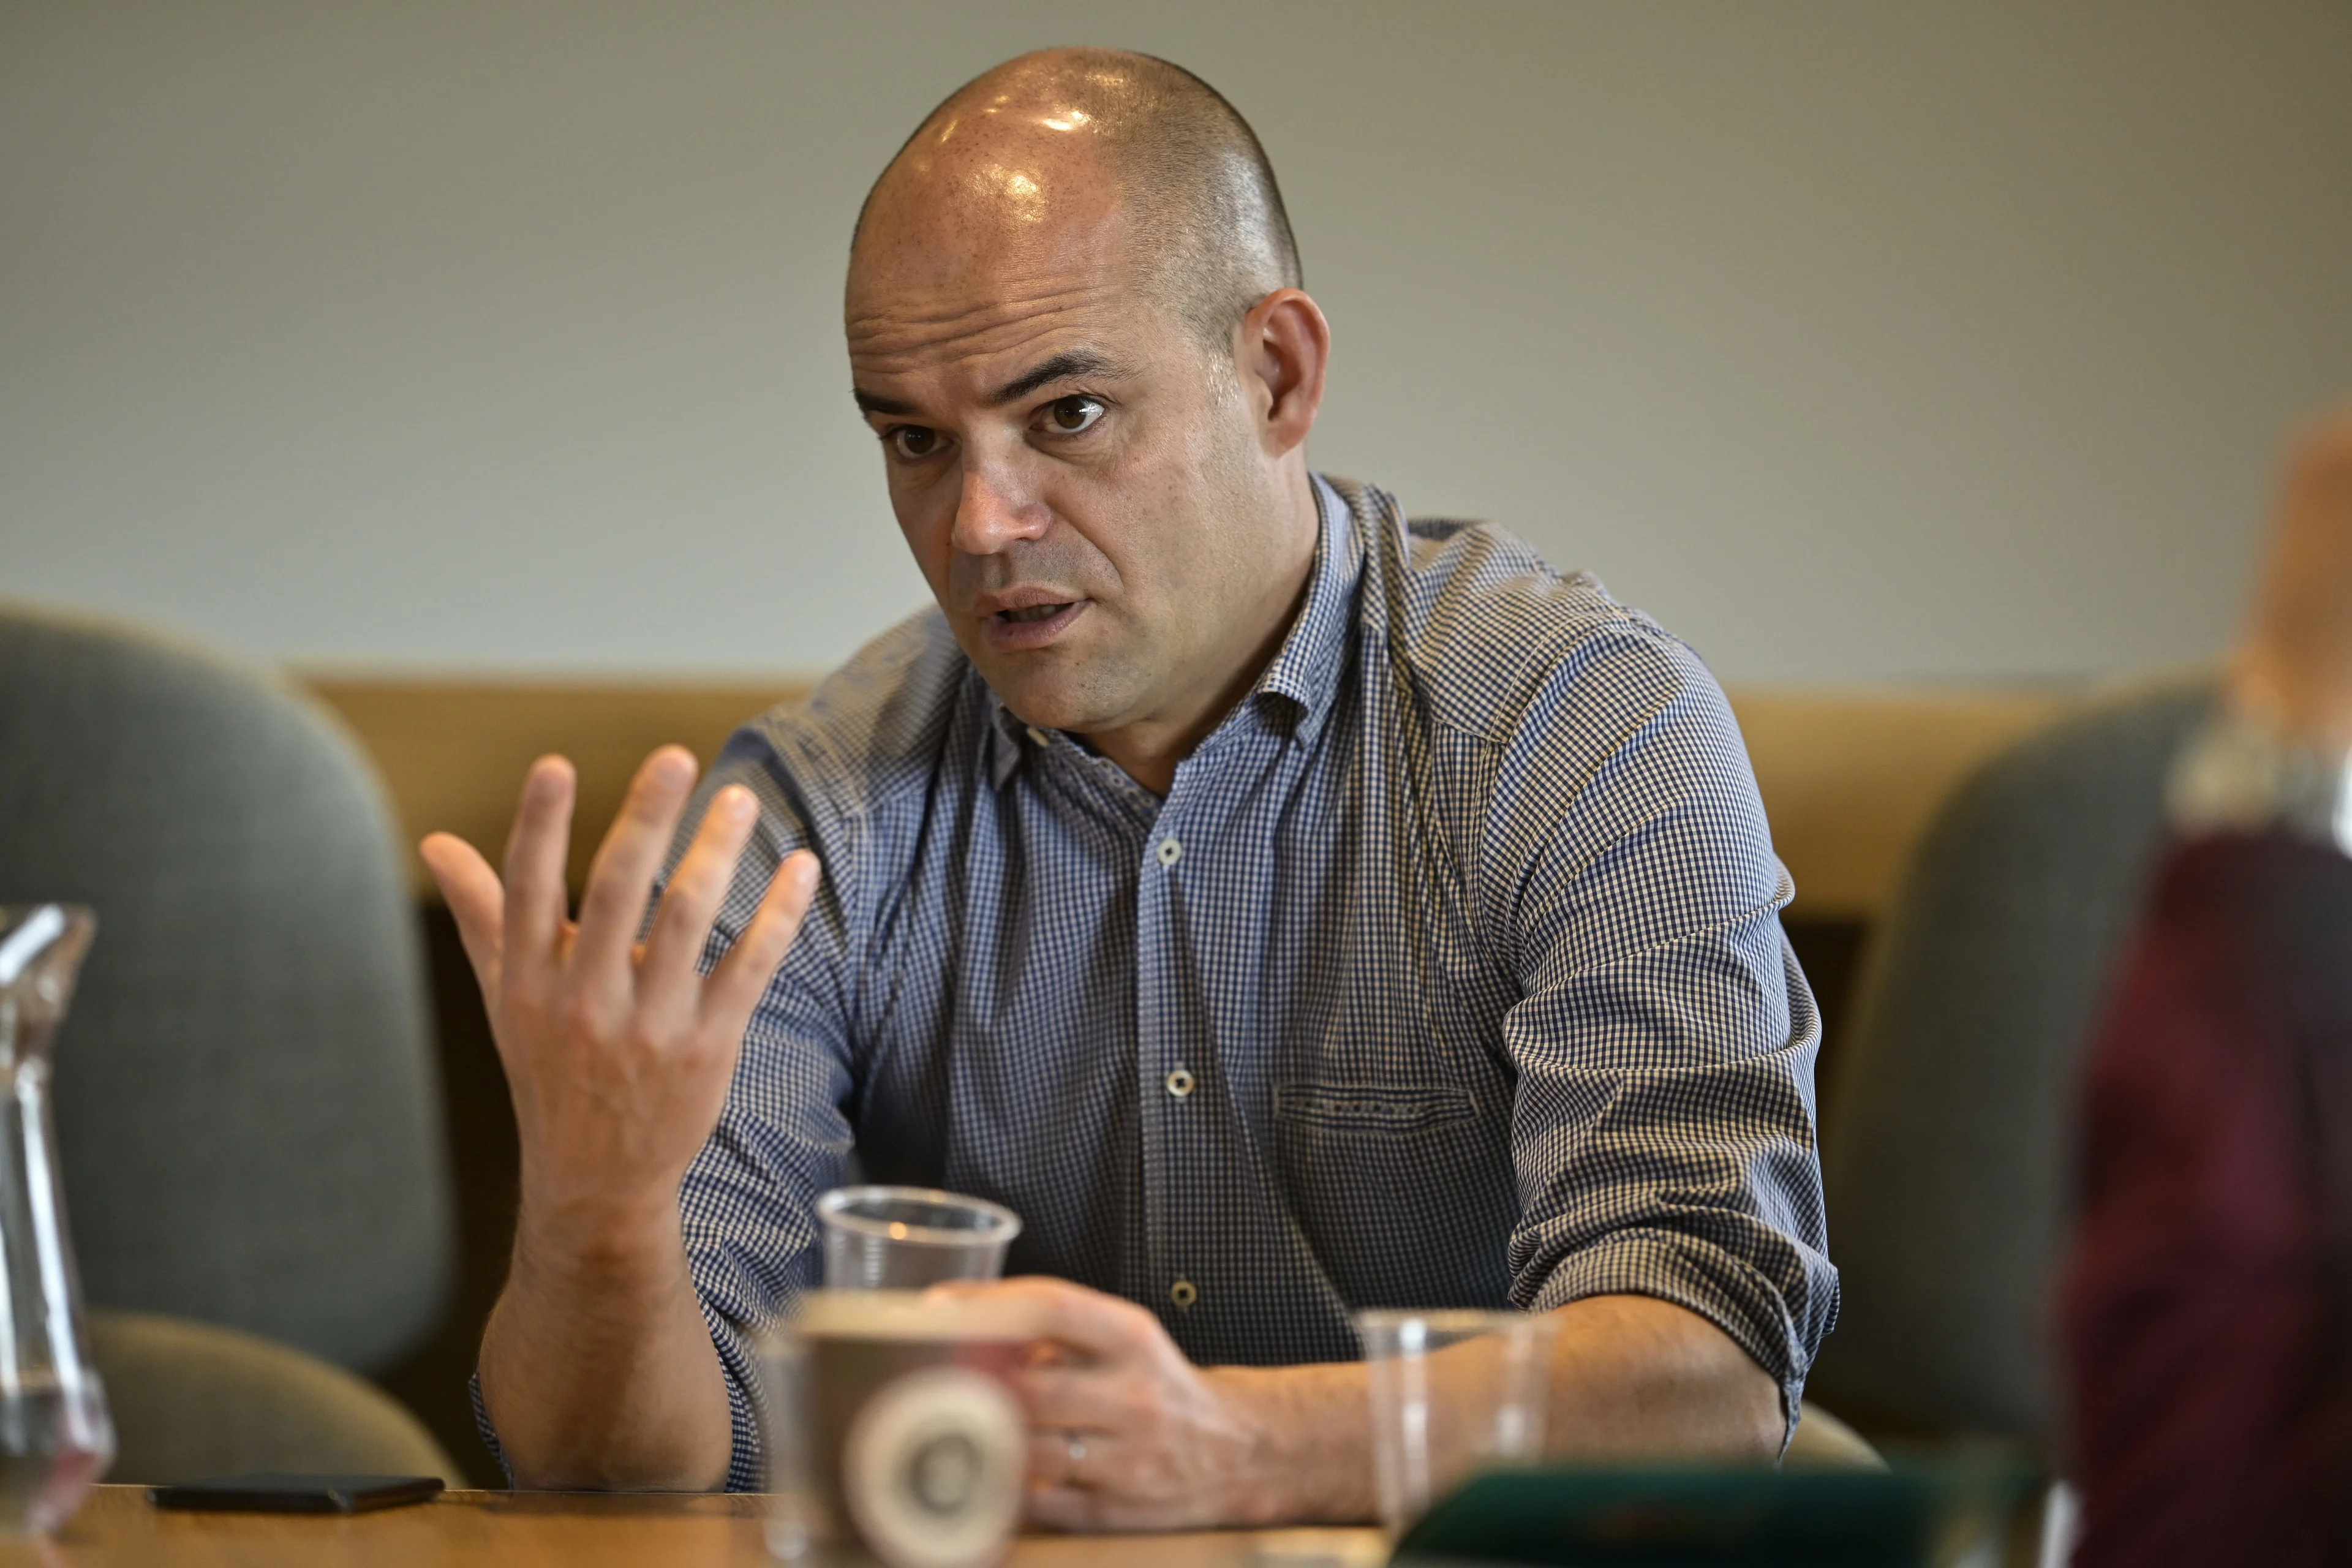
[{"x": 1285, "y": 907}]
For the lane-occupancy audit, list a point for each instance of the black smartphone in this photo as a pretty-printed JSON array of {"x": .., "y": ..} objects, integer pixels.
[{"x": 297, "y": 1494}]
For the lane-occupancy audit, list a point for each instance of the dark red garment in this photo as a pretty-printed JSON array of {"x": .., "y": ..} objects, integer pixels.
[{"x": 2206, "y": 1306}]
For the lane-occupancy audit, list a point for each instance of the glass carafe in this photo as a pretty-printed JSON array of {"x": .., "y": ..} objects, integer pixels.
[{"x": 56, "y": 1438}]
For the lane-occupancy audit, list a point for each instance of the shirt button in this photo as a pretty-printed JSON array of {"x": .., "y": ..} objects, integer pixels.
[
  {"x": 1169, "y": 852},
  {"x": 1179, "y": 1083},
  {"x": 1036, "y": 734},
  {"x": 1182, "y": 1293}
]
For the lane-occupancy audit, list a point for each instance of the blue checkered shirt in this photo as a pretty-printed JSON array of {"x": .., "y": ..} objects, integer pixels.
[{"x": 1461, "y": 930}]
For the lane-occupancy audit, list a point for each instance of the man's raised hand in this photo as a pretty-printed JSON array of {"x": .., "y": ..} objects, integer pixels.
[{"x": 618, "y": 1053}]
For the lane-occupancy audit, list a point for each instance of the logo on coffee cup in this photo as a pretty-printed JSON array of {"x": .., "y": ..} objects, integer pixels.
[{"x": 931, "y": 1469}]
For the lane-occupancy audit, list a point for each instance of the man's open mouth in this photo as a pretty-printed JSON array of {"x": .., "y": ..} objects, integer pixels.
[{"x": 1033, "y": 613}]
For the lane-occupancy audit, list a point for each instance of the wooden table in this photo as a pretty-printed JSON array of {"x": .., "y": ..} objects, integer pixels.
[{"x": 118, "y": 1526}]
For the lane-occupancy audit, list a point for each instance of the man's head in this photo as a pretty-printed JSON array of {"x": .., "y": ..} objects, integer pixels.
[
  {"x": 1073, "y": 317},
  {"x": 1205, "y": 215}
]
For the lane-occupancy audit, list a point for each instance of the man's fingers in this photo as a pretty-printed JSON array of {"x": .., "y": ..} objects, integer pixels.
[
  {"x": 476, "y": 901},
  {"x": 623, "y": 872},
  {"x": 1098, "y": 1327},
  {"x": 1085, "y": 1510},
  {"x": 1072, "y": 1508},
  {"x": 1061, "y": 1400},
  {"x": 734, "y": 987},
  {"x": 536, "y": 851},
  {"x": 673, "y": 946}
]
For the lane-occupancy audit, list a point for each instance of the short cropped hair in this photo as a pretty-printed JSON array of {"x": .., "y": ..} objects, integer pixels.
[{"x": 1207, "y": 211}]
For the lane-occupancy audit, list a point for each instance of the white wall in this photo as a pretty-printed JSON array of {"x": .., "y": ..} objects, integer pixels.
[{"x": 1857, "y": 341}]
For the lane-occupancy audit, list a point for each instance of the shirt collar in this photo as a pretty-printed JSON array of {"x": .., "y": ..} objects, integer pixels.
[
  {"x": 1306, "y": 669},
  {"x": 1006, "y": 736},
  {"x": 1304, "y": 674}
]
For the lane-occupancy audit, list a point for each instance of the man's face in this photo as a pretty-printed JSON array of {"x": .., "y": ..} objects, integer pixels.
[{"x": 1080, "y": 482}]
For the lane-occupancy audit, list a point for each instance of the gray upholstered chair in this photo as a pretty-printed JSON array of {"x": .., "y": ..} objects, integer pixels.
[
  {"x": 1949, "y": 1166},
  {"x": 191, "y": 1400},
  {"x": 247, "y": 1104}
]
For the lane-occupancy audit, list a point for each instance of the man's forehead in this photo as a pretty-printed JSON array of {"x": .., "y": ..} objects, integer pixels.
[
  {"x": 909, "y": 311},
  {"x": 978, "y": 346}
]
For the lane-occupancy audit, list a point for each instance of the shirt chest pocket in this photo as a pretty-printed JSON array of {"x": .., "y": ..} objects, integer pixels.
[
  {"x": 1373, "y": 1110},
  {"x": 1404, "y": 1191}
]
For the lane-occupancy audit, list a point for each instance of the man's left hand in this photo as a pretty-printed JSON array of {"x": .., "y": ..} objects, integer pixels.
[
  {"x": 1128, "y": 1435},
  {"x": 1125, "y": 1434}
]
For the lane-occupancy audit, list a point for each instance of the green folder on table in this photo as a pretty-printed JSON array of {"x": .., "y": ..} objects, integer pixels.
[{"x": 1925, "y": 1516}]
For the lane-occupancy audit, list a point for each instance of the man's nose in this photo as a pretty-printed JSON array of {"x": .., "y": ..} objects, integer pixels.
[{"x": 996, "y": 509}]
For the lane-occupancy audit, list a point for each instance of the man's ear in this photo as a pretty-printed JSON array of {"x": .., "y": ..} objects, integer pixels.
[{"x": 1282, "y": 346}]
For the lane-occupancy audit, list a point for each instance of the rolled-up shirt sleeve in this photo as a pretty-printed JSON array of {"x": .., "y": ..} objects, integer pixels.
[
  {"x": 1663, "y": 1129},
  {"x": 747, "y": 1201}
]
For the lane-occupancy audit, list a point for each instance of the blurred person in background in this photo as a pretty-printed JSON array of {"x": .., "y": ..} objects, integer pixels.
[{"x": 2207, "y": 1311}]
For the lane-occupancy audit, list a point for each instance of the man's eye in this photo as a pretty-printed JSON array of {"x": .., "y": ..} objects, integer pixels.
[
  {"x": 914, "y": 440},
  {"x": 1068, "y": 416}
]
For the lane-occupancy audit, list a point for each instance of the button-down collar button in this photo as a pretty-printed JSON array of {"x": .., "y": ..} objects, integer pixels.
[
  {"x": 1179, "y": 1083},
  {"x": 1168, "y": 851},
  {"x": 1036, "y": 734},
  {"x": 1183, "y": 1293}
]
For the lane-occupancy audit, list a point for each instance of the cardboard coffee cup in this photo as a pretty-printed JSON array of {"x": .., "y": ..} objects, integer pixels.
[{"x": 893, "y": 1430}]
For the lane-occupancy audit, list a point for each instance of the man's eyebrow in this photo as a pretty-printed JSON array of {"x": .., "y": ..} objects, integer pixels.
[
  {"x": 874, "y": 402},
  {"x": 1061, "y": 367}
]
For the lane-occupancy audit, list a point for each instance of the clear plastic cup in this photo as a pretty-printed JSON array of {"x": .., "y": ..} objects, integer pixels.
[
  {"x": 1452, "y": 1393},
  {"x": 903, "y": 1238}
]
